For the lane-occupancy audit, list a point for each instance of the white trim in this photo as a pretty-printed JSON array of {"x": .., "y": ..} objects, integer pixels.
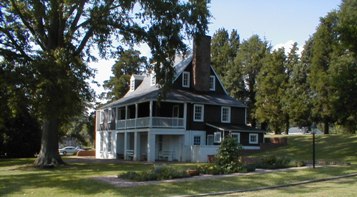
[
  {"x": 202, "y": 112},
  {"x": 257, "y": 138},
  {"x": 251, "y": 147},
  {"x": 132, "y": 84},
  {"x": 219, "y": 80},
  {"x": 186, "y": 74},
  {"x": 213, "y": 78},
  {"x": 228, "y": 115}
]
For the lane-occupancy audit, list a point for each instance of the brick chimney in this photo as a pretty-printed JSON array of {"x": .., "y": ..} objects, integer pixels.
[{"x": 201, "y": 63}]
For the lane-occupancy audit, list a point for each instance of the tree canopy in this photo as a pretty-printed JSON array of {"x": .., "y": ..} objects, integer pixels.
[{"x": 51, "y": 42}]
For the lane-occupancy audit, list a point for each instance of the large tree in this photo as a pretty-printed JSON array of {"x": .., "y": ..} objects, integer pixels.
[
  {"x": 271, "y": 83},
  {"x": 244, "y": 71},
  {"x": 55, "y": 40}
]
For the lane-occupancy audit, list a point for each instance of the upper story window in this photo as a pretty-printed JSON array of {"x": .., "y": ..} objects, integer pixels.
[
  {"x": 132, "y": 84},
  {"x": 186, "y": 79},
  {"x": 101, "y": 117},
  {"x": 110, "y": 115},
  {"x": 109, "y": 141},
  {"x": 153, "y": 79},
  {"x": 226, "y": 114},
  {"x": 198, "y": 113},
  {"x": 253, "y": 138},
  {"x": 212, "y": 83}
]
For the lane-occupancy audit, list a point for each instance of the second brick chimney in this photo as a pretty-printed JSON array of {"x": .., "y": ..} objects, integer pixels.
[{"x": 201, "y": 63}]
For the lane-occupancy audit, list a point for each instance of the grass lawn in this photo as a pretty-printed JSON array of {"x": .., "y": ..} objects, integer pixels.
[{"x": 18, "y": 178}]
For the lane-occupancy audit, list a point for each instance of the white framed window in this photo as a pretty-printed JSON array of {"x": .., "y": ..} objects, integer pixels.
[
  {"x": 212, "y": 83},
  {"x": 101, "y": 117},
  {"x": 226, "y": 114},
  {"x": 217, "y": 137},
  {"x": 110, "y": 115},
  {"x": 186, "y": 79},
  {"x": 197, "y": 140},
  {"x": 253, "y": 138},
  {"x": 109, "y": 141},
  {"x": 132, "y": 84},
  {"x": 198, "y": 113},
  {"x": 236, "y": 136},
  {"x": 210, "y": 139},
  {"x": 153, "y": 80}
]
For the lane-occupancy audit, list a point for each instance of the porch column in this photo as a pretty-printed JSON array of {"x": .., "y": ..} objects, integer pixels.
[
  {"x": 136, "y": 146},
  {"x": 151, "y": 147},
  {"x": 184, "y": 115},
  {"x": 126, "y": 117},
  {"x": 125, "y": 144},
  {"x": 136, "y": 113},
  {"x": 150, "y": 113}
]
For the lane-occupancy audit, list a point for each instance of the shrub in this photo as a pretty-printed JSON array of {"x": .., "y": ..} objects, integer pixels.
[
  {"x": 158, "y": 172},
  {"x": 227, "y": 158},
  {"x": 273, "y": 162}
]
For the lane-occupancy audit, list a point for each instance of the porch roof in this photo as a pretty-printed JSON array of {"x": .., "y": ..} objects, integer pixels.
[{"x": 239, "y": 128}]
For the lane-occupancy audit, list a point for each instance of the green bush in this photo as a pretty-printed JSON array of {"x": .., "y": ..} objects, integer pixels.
[
  {"x": 273, "y": 162},
  {"x": 227, "y": 158},
  {"x": 158, "y": 172}
]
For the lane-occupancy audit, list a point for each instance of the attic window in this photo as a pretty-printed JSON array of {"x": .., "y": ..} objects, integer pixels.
[
  {"x": 186, "y": 79},
  {"x": 132, "y": 84},
  {"x": 153, "y": 80},
  {"x": 212, "y": 83}
]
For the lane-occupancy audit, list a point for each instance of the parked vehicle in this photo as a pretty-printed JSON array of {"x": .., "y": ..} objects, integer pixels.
[{"x": 69, "y": 150}]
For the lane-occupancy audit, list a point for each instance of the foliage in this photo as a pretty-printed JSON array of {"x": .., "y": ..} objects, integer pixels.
[
  {"x": 129, "y": 62},
  {"x": 273, "y": 162},
  {"x": 271, "y": 83},
  {"x": 158, "y": 172},
  {"x": 242, "y": 75},
  {"x": 51, "y": 42},
  {"x": 227, "y": 158}
]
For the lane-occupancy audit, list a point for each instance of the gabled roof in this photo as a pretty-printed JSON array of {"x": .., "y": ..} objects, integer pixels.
[{"x": 147, "y": 92}]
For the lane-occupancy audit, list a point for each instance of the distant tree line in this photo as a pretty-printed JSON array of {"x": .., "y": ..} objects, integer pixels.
[{"x": 283, "y": 88}]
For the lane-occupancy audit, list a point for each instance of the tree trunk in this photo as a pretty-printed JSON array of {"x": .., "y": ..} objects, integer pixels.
[
  {"x": 326, "y": 127},
  {"x": 49, "y": 155}
]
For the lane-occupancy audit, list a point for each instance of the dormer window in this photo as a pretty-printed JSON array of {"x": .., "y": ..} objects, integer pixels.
[
  {"x": 132, "y": 84},
  {"x": 153, "y": 79},
  {"x": 212, "y": 83},
  {"x": 186, "y": 79}
]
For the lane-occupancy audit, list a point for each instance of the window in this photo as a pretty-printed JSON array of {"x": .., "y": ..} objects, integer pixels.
[
  {"x": 101, "y": 117},
  {"x": 236, "y": 136},
  {"x": 253, "y": 138},
  {"x": 186, "y": 79},
  {"x": 153, "y": 79},
  {"x": 109, "y": 141},
  {"x": 217, "y": 137},
  {"x": 198, "y": 112},
  {"x": 197, "y": 140},
  {"x": 212, "y": 83},
  {"x": 132, "y": 84},
  {"x": 210, "y": 139},
  {"x": 226, "y": 114},
  {"x": 110, "y": 115}
]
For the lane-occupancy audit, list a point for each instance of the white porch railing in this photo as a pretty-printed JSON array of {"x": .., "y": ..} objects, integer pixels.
[{"x": 156, "y": 122}]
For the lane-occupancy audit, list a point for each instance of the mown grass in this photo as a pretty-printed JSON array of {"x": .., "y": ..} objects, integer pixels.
[{"x": 19, "y": 178}]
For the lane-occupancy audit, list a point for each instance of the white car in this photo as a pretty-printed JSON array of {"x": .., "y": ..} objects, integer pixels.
[{"x": 68, "y": 150}]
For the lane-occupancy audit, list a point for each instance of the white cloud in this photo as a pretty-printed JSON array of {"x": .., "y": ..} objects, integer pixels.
[{"x": 287, "y": 46}]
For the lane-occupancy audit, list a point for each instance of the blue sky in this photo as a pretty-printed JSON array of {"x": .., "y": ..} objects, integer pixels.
[{"x": 280, "y": 22}]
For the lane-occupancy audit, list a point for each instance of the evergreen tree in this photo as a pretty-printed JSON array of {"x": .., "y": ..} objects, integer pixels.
[
  {"x": 242, "y": 74},
  {"x": 324, "y": 42},
  {"x": 129, "y": 63},
  {"x": 271, "y": 82}
]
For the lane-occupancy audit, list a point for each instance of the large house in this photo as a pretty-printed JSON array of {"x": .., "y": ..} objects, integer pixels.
[{"x": 187, "y": 125}]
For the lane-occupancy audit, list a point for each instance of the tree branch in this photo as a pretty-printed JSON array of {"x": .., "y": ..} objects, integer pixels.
[
  {"x": 73, "y": 27},
  {"x": 17, "y": 47},
  {"x": 83, "y": 43}
]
